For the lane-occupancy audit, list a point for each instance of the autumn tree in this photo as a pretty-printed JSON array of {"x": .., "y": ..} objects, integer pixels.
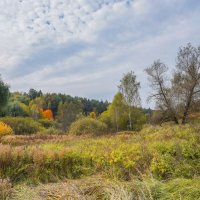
[
  {"x": 129, "y": 88},
  {"x": 162, "y": 93},
  {"x": 36, "y": 107},
  {"x": 47, "y": 114},
  {"x": 177, "y": 97},
  {"x": 186, "y": 80}
]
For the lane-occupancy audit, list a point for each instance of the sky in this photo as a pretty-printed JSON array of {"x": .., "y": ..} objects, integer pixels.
[{"x": 83, "y": 47}]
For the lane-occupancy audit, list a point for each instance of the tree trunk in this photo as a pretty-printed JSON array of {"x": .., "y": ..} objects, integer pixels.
[
  {"x": 130, "y": 122},
  {"x": 185, "y": 114},
  {"x": 176, "y": 120},
  {"x": 116, "y": 120}
]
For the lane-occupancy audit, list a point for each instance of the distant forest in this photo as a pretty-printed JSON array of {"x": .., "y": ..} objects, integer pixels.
[{"x": 18, "y": 101}]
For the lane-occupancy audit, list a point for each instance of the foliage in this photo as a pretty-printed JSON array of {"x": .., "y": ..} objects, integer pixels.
[
  {"x": 177, "y": 98},
  {"x": 87, "y": 126},
  {"x": 46, "y": 123},
  {"x": 129, "y": 88},
  {"x": 68, "y": 113},
  {"x": 117, "y": 115},
  {"x": 33, "y": 94},
  {"x": 5, "y": 129},
  {"x": 22, "y": 125},
  {"x": 36, "y": 108},
  {"x": 92, "y": 115},
  {"x": 4, "y": 94},
  {"x": 166, "y": 153},
  {"x": 17, "y": 108},
  {"x": 47, "y": 114}
]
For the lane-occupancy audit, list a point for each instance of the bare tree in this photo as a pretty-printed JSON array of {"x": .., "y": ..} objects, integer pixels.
[
  {"x": 186, "y": 79},
  {"x": 129, "y": 87},
  {"x": 162, "y": 93}
]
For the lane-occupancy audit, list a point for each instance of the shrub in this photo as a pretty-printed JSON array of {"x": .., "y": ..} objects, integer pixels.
[
  {"x": 88, "y": 126},
  {"x": 46, "y": 123},
  {"x": 163, "y": 166},
  {"x": 21, "y": 125},
  {"x": 5, "y": 129}
]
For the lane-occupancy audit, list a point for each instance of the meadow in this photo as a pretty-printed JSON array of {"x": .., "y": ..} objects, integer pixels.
[{"x": 154, "y": 163}]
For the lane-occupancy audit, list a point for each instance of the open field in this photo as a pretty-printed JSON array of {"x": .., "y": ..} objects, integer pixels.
[{"x": 155, "y": 163}]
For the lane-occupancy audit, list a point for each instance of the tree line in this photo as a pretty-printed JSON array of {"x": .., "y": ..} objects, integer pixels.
[{"x": 175, "y": 94}]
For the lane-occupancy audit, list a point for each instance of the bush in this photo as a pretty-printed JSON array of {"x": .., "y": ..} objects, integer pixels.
[
  {"x": 22, "y": 126},
  {"x": 46, "y": 123},
  {"x": 87, "y": 126},
  {"x": 5, "y": 129}
]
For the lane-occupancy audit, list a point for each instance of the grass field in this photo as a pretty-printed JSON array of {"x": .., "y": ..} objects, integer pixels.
[{"x": 155, "y": 163}]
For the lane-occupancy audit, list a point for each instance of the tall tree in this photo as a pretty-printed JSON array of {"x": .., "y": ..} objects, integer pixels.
[
  {"x": 162, "y": 93},
  {"x": 68, "y": 113},
  {"x": 117, "y": 115},
  {"x": 186, "y": 80},
  {"x": 129, "y": 87},
  {"x": 178, "y": 97},
  {"x": 4, "y": 94}
]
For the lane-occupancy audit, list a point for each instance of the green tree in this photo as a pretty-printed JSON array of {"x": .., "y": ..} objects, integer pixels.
[
  {"x": 118, "y": 112},
  {"x": 68, "y": 113},
  {"x": 4, "y": 94},
  {"x": 129, "y": 87},
  {"x": 117, "y": 115},
  {"x": 34, "y": 93},
  {"x": 17, "y": 108},
  {"x": 36, "y": 107}
]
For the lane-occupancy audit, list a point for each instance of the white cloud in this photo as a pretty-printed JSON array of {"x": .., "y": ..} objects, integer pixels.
[{"x": 83, "y": 47}]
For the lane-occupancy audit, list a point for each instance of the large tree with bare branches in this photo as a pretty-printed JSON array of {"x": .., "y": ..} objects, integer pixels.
[
  {"x": 176, "y": 97},
  {"x": 162, "y": 92},
  {"x": 186, "y": 79}
]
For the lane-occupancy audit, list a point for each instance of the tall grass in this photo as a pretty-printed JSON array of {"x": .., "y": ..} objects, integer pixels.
[{"x": 136, "y": 165}]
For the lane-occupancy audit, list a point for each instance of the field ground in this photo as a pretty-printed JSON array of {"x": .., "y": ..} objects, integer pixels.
[{"x": 155, "y": 163}]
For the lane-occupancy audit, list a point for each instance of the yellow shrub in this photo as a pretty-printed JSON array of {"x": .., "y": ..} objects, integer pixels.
[{"x": 5, "y": 129}]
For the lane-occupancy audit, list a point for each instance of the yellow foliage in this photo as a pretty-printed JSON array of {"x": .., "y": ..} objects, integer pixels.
[
  {"x": 92, "y": 115},
  {"x": 5, "y": 129}
]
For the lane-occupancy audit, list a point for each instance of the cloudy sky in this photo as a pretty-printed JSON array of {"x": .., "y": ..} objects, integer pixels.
[{"x": 83, "y": 47}]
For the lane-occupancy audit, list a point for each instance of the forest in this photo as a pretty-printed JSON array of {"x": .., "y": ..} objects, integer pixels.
[{"x": 55, "y": 146}]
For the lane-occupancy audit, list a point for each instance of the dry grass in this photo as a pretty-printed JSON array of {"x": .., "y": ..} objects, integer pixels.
[
  {"x": 5, "y": 189},
  {"x": 84, "y": 189}
]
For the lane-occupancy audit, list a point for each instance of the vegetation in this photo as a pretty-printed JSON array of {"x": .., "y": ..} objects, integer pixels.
[
  {"x": 22, "y": 126},
  {"x": 157, "y": 162},
  {"x": 5, "y": 129},
  {"x": 176, "y": 98},
  {"x": 88, "y": 126},
  {"x": 4, "y": 94},
  {"x": 54, "y": 146},
  {"x": 118, "y": 115},
  {"x": 129, "y": 89}
]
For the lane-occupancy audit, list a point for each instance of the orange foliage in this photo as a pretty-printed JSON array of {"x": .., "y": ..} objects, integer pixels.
[{"x": 47, "y": 114}]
